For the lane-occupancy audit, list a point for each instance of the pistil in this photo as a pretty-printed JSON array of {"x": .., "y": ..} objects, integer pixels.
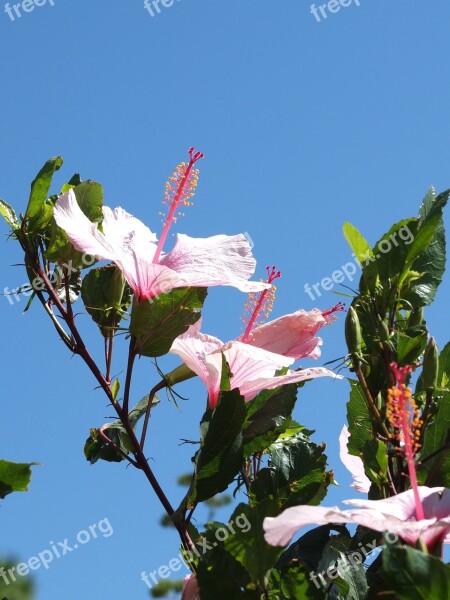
[
  {"x": 179, "y": 189},
  {"x": 261, "y": 305},
  {"x": 403, "y": 415}
]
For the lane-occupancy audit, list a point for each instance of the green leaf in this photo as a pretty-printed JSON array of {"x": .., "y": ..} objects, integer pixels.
[
  {"x": 8, "y": 213},
  {"x": 96, "y": 448},
  {"x": 22, "y": 588},
  {"x": 359, "y": 421},
  {"x": 429, "y": 265},
  {"x": 410, "y": 348},
  {"x": 309, "y": 548},
  {"x": 430, "y": 219},
  {"x": 248, "y": 545},
  {"x": 268, "y": 416},
  {"x": 219, "y": 574},
  {"x": 444, "y": 368},
  {"x": 41, "y": 185},
  {"x": 14, "y": 477},
  {"x": 357, "y": 242},
  {"x": 220, "y": 456},
  {"x": 106, "y": 297},
  {"x": 390, "y": 254},
  {"x": 348, "y": 577},
  {"x": 295, "y": 474},
  {"x": 156, "y": 323},
  {"x": 293, "y": 581},
  {"x": 436, "y": 470},
  {"x": 408, "y": 574}
]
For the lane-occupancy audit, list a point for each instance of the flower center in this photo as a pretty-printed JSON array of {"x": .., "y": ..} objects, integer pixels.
[
  {"x": 180, "y": 188},
  {"x": 258, "y": 306},
  {"x": 404, "y": 417}
]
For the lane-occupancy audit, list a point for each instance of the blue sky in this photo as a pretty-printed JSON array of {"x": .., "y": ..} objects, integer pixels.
[{"x": 304, "y": 125}]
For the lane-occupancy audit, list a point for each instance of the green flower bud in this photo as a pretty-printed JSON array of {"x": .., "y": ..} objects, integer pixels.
[
  {"x": 430, "y": 365},
  {"x": 383, "y": 330},
  {"x": 415, "y": 317},
  {"x": 353, "y": 332},
  {"x": 181, "y": 373}
]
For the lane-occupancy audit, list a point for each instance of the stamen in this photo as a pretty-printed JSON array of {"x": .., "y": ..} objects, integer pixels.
[
  {"x": 404, "y": 417},
  {"x": 180, "y": 188},
  {"x": 258, "y": 307},
  {"x": 328, "y": 314}
]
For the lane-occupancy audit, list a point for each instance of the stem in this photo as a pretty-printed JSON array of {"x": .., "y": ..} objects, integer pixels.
[
  {"x": 131, "y": 359},
  {"x": 104, "y": 437},
  {"x": 245, "y": 478},
  {"x": 109, "y": 344},
  {"x": 78, "y": 347},
  {"x": 372, "y": 406},
  {"x": 152, "y": 394}
]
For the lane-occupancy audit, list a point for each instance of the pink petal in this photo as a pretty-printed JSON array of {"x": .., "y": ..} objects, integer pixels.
[
  {"x": 397, "y": 514},
  {"x": 125, "y": 241},
  {"x": 83, "y": 234},
  {"x": 280, "y": 530},
  {"x": 250, "y": 389},
  {"x": 246, "y": 363},
  {"x": 190, "y": 591},
  {"x": 401, "y": 506},
  {"x": 217, "y": 260},
  {"x": 353, "y": 463},
  {"x": 291, "y": 335},
  {"x": 193, "y": 347}
]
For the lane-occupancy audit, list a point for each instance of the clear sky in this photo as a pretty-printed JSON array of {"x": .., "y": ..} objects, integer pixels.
[{"x": 305, "y": 124}]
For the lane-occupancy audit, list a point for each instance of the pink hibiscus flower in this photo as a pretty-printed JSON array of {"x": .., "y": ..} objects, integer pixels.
[
  {"x": 253, "y": 369},
  {"x": 396, "y": 515},
  {"x": 292, "y": 335},
  {"x": 126, "y": 241}
]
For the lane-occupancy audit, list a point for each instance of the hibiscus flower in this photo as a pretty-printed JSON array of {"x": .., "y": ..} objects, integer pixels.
[
  {"x": 126, "y": 241},
  {"x": 253, "y": 369}
]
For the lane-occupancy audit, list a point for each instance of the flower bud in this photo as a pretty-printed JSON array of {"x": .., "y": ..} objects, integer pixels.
[
  {"x": 383, "y": 330},
  {"x": 430, "y": 365},
  {"x": 353, "y": 332},
  {"x": 415, "y": 317},
  {"x": 181, "y": 373}
]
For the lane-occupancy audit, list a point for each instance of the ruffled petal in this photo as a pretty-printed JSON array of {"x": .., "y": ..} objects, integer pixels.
[
  {"x": 82, "y": 233},
  {"x": 278, "y": 531},
  {"x": 353, "y": 463},
  {"x": 291, "y": 335},
  {"x": 217, "y": 260},
  {"x": 193, "y": 347},
  {"x": 250, "y": 389}
]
